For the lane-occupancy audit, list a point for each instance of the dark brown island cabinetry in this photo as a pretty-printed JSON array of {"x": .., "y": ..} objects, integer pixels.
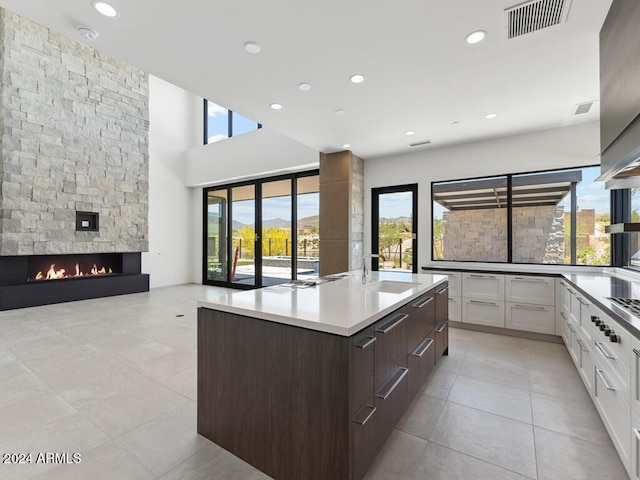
[{"x": 304, "y": 404}]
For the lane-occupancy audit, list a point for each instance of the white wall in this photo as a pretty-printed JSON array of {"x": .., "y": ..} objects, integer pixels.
[
  {"x": 254, "y": 154},
  {"x": 173, "y": 129},
  {"x": 572, "y": 146}
]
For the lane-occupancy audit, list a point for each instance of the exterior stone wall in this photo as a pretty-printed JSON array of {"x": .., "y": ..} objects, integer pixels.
[
  {"x": 481, "y": 235},
  {"x": 357, "y": 212},
  {"x": 74, "y": 137}
]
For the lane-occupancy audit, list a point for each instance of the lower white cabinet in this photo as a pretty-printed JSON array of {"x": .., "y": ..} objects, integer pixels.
[
  {"x": 455, "y": 309},
  {"x": 531, "y": 318},
  {"x": 635, "y": 376},
  {"x": 585, "y": 361},
  {"x": 483, "y": 312},
  {"x": 634, "y": 464}
]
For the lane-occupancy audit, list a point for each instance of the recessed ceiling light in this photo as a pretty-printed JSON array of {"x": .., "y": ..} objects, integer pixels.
[
  {"x": 357, "y": 78},
  {"x": 475, "y": 37},
  {"x": 340, "y": 111},
  {"x": 490, "y": 116},
  {"x": 346, "y": 145},
  {"x": 252, "y": 47},
  {"x": 276, "y": 106},
  {"x": 105, "y": 9},
  {"x": 409, "y": 132},
  {"x": 87, "y": 33},
  {"x": 304, "y": 87}
]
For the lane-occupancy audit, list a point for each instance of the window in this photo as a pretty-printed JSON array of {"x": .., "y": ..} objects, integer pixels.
[
  {"x": 553, "y": 217},
  {"x": 220, "y": 123}
]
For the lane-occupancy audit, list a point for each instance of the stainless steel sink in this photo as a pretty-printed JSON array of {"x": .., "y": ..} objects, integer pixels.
[{"x": 390, "y": 286}]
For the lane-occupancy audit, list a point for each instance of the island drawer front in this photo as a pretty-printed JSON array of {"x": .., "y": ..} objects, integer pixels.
[
  {"x": 363, "y": 347},
  {"x": 391, "y": 400},
  {"x": 391, "y": 345},
  {"x": 442, "y": 304},
  {"x": 365, "y": 439},
  {"x": 441, "y": 334},
  {"x": 422, "y": 319},
  {"x": 420, "y": 362}
]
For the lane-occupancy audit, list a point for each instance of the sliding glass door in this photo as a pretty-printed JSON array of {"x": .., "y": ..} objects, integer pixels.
[{"x": 263, "y": 232}]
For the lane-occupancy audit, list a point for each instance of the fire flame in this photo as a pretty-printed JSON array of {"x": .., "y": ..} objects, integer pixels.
[{"x": 53, "y": 274}]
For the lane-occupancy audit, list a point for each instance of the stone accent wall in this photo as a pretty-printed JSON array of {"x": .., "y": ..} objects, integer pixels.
[
  {"x": 74, "y": 137},
  {"x": 357, "y": 212},
  {"x": 481, "y": 235}
]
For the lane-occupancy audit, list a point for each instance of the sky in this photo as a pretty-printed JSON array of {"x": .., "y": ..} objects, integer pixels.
[
  {"x": 218, "y": 123},
  {"x": 276, "y": 207}
]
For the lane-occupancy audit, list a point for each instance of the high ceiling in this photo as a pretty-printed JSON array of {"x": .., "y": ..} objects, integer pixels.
[{"x": 420, "y": 74}]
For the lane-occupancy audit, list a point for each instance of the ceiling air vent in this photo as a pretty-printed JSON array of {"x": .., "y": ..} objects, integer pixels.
[
  {"x": 535, "y": 15},
  {"x": 419, "y": 144},
  {"x": 583, "y": 108}
]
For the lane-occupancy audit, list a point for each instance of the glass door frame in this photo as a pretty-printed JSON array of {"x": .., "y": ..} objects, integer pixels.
[
  {"x": 258, "y": 227},
  {"x": 375, "y": 220}
]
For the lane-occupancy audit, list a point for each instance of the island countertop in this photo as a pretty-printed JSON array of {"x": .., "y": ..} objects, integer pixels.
[{"x": 342, "y": 307}]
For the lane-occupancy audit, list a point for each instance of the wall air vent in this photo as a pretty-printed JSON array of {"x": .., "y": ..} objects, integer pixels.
[
  {"x": 419, "y": 144},
  {"x": 535, "y": 15},
  {"x": 583, "y": 108}
]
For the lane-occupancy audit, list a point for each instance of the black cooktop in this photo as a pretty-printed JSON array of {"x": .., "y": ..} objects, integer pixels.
[{"x": 632, "y": 305}]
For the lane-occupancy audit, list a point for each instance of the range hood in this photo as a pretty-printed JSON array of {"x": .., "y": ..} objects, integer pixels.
[{"x": 620, "y": 161}]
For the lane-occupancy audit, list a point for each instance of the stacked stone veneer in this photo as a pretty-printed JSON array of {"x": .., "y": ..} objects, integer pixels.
[
  {"x": 357, "y": 212},
  {"x": 74, "y": 137},
  {"x": 472, "y": 235}
]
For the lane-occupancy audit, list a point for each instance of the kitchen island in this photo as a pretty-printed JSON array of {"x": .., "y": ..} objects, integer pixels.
[{"x": 307, "y": 382}]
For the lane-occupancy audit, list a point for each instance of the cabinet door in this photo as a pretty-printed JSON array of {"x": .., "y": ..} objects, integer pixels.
[
  {"x": 483, "y": 286},
  {"x": 365, "y": 438},
  {"x": 391, "y": 401},
  {"x": 362, "y": 355},
  {"x": 564, "y": 328},
  {"x": 442, "y": 304},
  {"x": 573, "y": 345},
  {"x": 530, "y": 289},
  {"x": 585, "y": 362},
  {"x": 422, "y": 319},
  {"x": 634, "y": 466},
  {"x": 455, "y": 309},
  {"x": 565, "y": 297},
  {"x": 420, "y": 362},
  {"x": 441, "y": 334},
  {"x": 391, "y": 345},
  {"x": 635, "y": 375},
  {"x": 482, "y": 312},
  {"x": 531, "y": 318}
]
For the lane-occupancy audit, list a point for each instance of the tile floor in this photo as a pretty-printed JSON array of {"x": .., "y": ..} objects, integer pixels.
[{"x": 115, "y": 380}]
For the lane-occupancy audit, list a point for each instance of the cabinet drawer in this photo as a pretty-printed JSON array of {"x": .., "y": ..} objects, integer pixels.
[
  {"x": 483, "y": 312},
  {"x": 618, "y": 373},
  {"x": 635, "y": 376},
  {"x": 442, "y": 304},
  {"x": 531, "y": 318},
  {"x": 391, "y": 345},
  {"x": 391, "y": 400},
  {"x": 530, "y": 289},
  {"x": 441, "y": 334},
  {"x": 622, "y": 347},
  {"x": 483, "y": 286},
  {"x": 613, "y": 408},
  {"x": 565, "y": 296},
  {"x": 362, "y": 354},
  {"x": 420, "y": 362},
  {"x": 365, "y": 443},
  {"x": 422, "y": 319},
  {"x": 564, "y": 328},
  {"x": 585, "y": 362},
  {"x": 634, "y": 464},
  {"x": 455, "y": 309}
]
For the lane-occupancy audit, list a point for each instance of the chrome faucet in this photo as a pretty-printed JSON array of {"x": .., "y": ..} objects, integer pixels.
[{"x": 365, "y": 272}]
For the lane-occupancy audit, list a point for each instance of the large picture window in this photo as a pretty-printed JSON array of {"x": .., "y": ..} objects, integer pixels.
[
  {"x": 220, "y": 123},
  {"x": 553, "y": 217}
]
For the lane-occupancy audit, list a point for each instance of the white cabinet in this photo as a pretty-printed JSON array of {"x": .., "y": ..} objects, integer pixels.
[
  {"x": 635, "y": 376},
  {"x": 585, "y": 362},
  {"x": 483, "y": 312},
  {"x": 455, "y": 281},
  {"x": 531, "y": 318},
  {"x": 530, "y": 290},
  {"x": 565, "y": 297},
  {"x": 634, "y": 465},
  {"x": 483, "y": 286},
  {"x": 455, "y": 309}
]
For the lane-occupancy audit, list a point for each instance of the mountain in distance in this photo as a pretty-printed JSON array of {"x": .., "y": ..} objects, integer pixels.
[
  {"x": 306, "y": 222},
  {"x": 276, "y": 222},
  {"x": 396, "y": 220}
]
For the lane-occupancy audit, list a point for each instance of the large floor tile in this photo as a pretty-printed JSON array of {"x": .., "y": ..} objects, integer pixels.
[
  {"x": 441, "y": 463},
  {"x": 22, "y": 386},
  {"x": 572, "y": 417},
  {"x": 492, "y": 438},
  {"x": 399, "y": 457},
  {"x": 421, "y": 416},
  {"x": 495, "y": 370},
  {"x": 439, "y": 384},
  {"x": 562, "y": 457},
  {"x": 492, "y": 397},
  {"x": 565, "y": 383}
]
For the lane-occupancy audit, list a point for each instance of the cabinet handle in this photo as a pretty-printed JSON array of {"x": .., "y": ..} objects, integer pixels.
[
  {"x": 582, "y": 347},
  {"x": 600, "y": 346},
  {"x": 606, "y": 384},
  {"x": 636, "y": 432},
  {"x": 442, "y": 290},
  {"x": 366, "y": 419},
  {"x": 530, "y": 307},
  {"x": 441, "y": 327},
  {"x": 482, "y": 276},
  {"x": 429, "y": 341},
  {"x": 384, "y": 396},
  {"x": 422, "y": 304},
  {"x": 636, "y": 351},
  {"x": 478, "y": 302},
  {"x": 530, "y": 279},
  {"x": 571, "y": 328},
  {"x": 572, "y": 292},
  {"x": 582, "y": 301},
  {"x": 364, "y": 345},
  {"x": 393, "y": 323},
  {"x": 563, "y": 284},
  {"x": 452, "y": 299},
  {"x": 563, "y": 315}
]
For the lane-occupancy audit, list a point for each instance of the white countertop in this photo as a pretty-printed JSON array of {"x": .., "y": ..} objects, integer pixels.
[{"x": 342, "y": 307}]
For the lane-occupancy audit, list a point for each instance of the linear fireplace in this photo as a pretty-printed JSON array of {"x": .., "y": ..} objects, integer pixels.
[{"x": 28, "y": 281}]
